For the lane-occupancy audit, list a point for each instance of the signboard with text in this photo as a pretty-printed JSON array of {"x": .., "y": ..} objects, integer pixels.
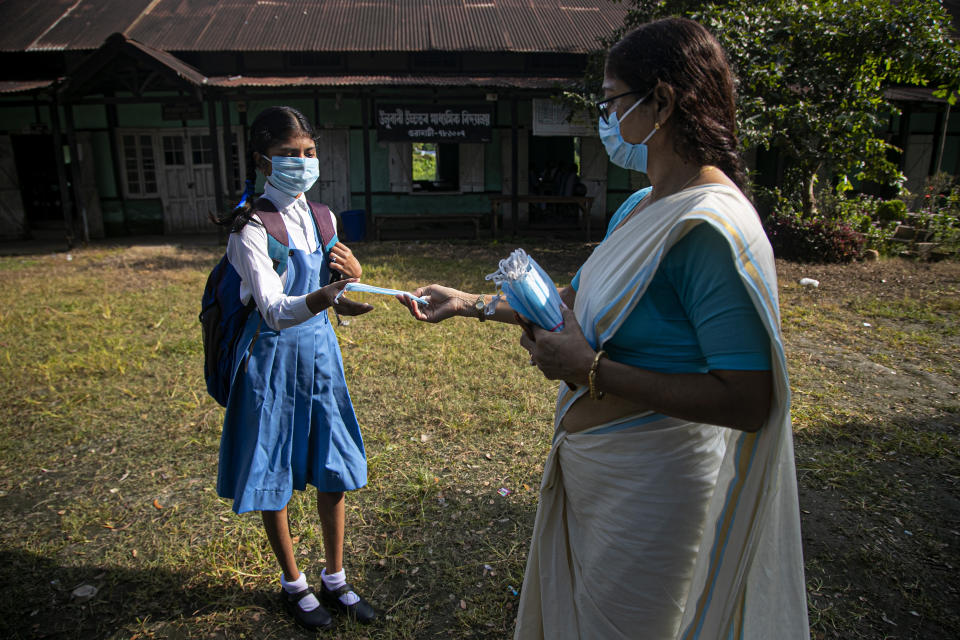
[
  {"x": 434, "y": 123},
  {"x": 182, "y": 111},
  {"x": 552, "y": 118}
]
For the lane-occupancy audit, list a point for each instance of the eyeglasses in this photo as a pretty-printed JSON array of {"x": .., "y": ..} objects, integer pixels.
[{"x": 603, "y": 106}]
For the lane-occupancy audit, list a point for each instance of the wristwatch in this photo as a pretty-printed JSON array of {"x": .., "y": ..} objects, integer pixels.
[{"x": 479, "y": 305}]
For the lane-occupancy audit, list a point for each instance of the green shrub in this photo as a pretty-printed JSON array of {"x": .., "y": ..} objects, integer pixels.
[
  {"x": 891, "y": 210},
  {"x": 940, "y": 214},
  {"x": 812, "y": 240},
  {"x": 845, "y": 226}
]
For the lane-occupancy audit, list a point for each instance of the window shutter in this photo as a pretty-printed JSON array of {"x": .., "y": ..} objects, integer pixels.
[
  {"x": 401, "y": 167},
  {"x": 471, "y": 167}
]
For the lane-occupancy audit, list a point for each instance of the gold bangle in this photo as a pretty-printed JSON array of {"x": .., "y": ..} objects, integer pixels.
[{"x": 595, "y": 394}]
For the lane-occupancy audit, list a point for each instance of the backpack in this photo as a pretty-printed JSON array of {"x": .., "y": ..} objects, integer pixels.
[{"x": 223, "y": 315}]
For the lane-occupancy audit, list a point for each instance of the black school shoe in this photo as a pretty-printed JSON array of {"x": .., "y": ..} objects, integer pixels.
[
  {"x": 314, "y": 620},
  {"x": 361, "y": 611}
]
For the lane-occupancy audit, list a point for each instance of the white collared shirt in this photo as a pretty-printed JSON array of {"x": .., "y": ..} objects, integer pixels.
[{"x": 247, "y": 252}]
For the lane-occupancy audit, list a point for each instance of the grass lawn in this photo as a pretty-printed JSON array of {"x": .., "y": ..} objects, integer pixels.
[{"x": 108, "y": 452}]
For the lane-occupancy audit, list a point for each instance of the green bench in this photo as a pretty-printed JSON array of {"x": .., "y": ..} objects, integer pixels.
[{"x": 392, "y": 221}]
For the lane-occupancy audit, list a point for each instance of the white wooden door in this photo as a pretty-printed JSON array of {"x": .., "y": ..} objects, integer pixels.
[
  {"x": 189, "y": 193},
  {"x": 13, "y": 218},
  {"x": 178, "y": 210},
  {"x": 204, "y": 189},
  {"x": 471, "y": 167},
  {"x": 333, "y": 186},
  {"x": 401, "y": 167}
]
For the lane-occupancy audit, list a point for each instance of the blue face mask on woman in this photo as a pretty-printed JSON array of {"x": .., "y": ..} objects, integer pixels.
[
  {"x": 293, "y": 176},
  {"x": 622, "y": 153}
]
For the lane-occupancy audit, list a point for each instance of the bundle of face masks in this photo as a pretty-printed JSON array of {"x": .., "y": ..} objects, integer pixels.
[{"x": 528, "y": 290}]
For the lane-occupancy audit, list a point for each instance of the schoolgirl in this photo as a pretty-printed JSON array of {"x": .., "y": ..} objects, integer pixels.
[{"x": 289, "y": 419}]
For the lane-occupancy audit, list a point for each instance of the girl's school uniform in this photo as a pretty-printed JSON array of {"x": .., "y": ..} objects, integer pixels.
[{"x": 289, "y": 418}]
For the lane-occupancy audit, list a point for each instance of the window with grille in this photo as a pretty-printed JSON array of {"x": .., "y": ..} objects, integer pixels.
[
  {"x": 202, "y": 150},
  {"x": 173, "y": 154},
  {"x": 140, "y": 167}
]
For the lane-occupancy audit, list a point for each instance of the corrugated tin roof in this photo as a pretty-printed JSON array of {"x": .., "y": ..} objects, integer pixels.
[
  {"x": 183, "y": 70},
  {"x": 911, "y": 94},
  {"x": 312, "y": 25},
  {"x": 387, "y": 80},
  {"x": 110, "y": 60},
  {"x": 64, "y": 24},
  {"x": 23, "y": 86}
]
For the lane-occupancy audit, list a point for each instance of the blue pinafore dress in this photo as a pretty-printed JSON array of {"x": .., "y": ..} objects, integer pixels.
[{"x": 289, "y": 418}]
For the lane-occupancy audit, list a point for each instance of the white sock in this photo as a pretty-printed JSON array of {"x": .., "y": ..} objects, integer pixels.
[
  {"x": 334, "y": 581},
  {"x": 310, "y": 602}
]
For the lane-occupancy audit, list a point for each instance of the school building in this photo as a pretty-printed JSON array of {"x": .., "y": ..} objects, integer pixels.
[{"x": 125, "y": 117}]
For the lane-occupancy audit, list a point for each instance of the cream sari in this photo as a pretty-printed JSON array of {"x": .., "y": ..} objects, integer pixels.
[{"x": 657, "y": 528}]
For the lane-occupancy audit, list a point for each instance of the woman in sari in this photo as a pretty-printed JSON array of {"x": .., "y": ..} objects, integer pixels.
[{"x": 668, "y": 506}]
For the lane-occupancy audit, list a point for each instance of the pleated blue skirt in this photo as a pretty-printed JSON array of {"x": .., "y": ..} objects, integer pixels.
[{"x": 289, "y": 418}]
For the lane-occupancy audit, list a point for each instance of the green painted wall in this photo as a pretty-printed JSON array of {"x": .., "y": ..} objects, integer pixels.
[
  {"x": 145, "y": 216},
  {"x": 150, "y": 115},
  {"x": 90, "y": 117},
  {"x": 114, "y": 223},
  {"x": 951, "y": 155},
  {"x": 106, "y": 184},
  {"x": 356, "y": 162},
  {"x": 492, "y": 165},
  {"x": 18, "y": 119}
]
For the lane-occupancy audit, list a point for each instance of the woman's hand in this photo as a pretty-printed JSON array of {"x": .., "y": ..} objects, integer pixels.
[
  {"x": 444, "y": 303},
  {"x": 561, "y": 355},
  {"x": 343, "y": 260},
  {"x": 324, "y": 297}
]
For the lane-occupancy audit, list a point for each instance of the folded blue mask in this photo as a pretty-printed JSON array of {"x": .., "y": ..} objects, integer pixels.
[
  {"x": 293, "y": 176},
  {"x": 359, "y": 286},
  {"x": 622, "y": 153}
]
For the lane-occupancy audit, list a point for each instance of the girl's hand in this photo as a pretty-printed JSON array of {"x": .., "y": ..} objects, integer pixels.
[
  {"x": 324, "y": 297},
  {"x": 348, "y": 307},
  {"x": 343, "y": 260},
  {"x": 561, "y": 355},
  {"x": 444, "y": 303}
]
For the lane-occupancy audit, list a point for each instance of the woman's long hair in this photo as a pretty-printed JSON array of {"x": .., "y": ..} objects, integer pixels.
[
  {"x": 271, "y": 126},
  {"x": 683, "y": 54}
]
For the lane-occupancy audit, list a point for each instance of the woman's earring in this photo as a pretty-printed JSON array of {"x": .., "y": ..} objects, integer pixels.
[{"x": 656, "y": 125}]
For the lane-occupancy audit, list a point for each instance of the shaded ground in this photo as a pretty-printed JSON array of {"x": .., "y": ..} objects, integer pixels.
[{"x": 873, "y": 353}]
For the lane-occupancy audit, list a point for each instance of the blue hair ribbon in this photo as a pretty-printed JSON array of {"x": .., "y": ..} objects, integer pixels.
[{"x": 247, "y": 193}]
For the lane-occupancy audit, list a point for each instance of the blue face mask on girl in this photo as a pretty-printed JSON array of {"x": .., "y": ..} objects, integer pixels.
[
  {"x": 622, "y": 153},
  {"x": 293, "y": 176}
]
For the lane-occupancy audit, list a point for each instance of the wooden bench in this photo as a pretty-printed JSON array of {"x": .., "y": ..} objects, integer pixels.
[
  {"x": 407, "y": 220},
  {"x": 583, "y": 206}
]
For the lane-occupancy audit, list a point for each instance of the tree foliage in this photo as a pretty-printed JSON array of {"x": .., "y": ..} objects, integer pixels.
[{"x": 812, "y": 75}]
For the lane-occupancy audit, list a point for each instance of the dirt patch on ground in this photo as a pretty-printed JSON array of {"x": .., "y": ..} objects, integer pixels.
[{"x": 873, "y": 352}]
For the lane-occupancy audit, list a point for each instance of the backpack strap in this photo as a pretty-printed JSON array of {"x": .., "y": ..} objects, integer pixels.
[
  {"x": 278, "y": 242},
  {"x": 322, "y": 217}
]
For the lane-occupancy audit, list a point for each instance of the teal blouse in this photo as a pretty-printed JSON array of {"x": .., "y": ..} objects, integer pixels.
[{"x": 696, "y": 315}]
